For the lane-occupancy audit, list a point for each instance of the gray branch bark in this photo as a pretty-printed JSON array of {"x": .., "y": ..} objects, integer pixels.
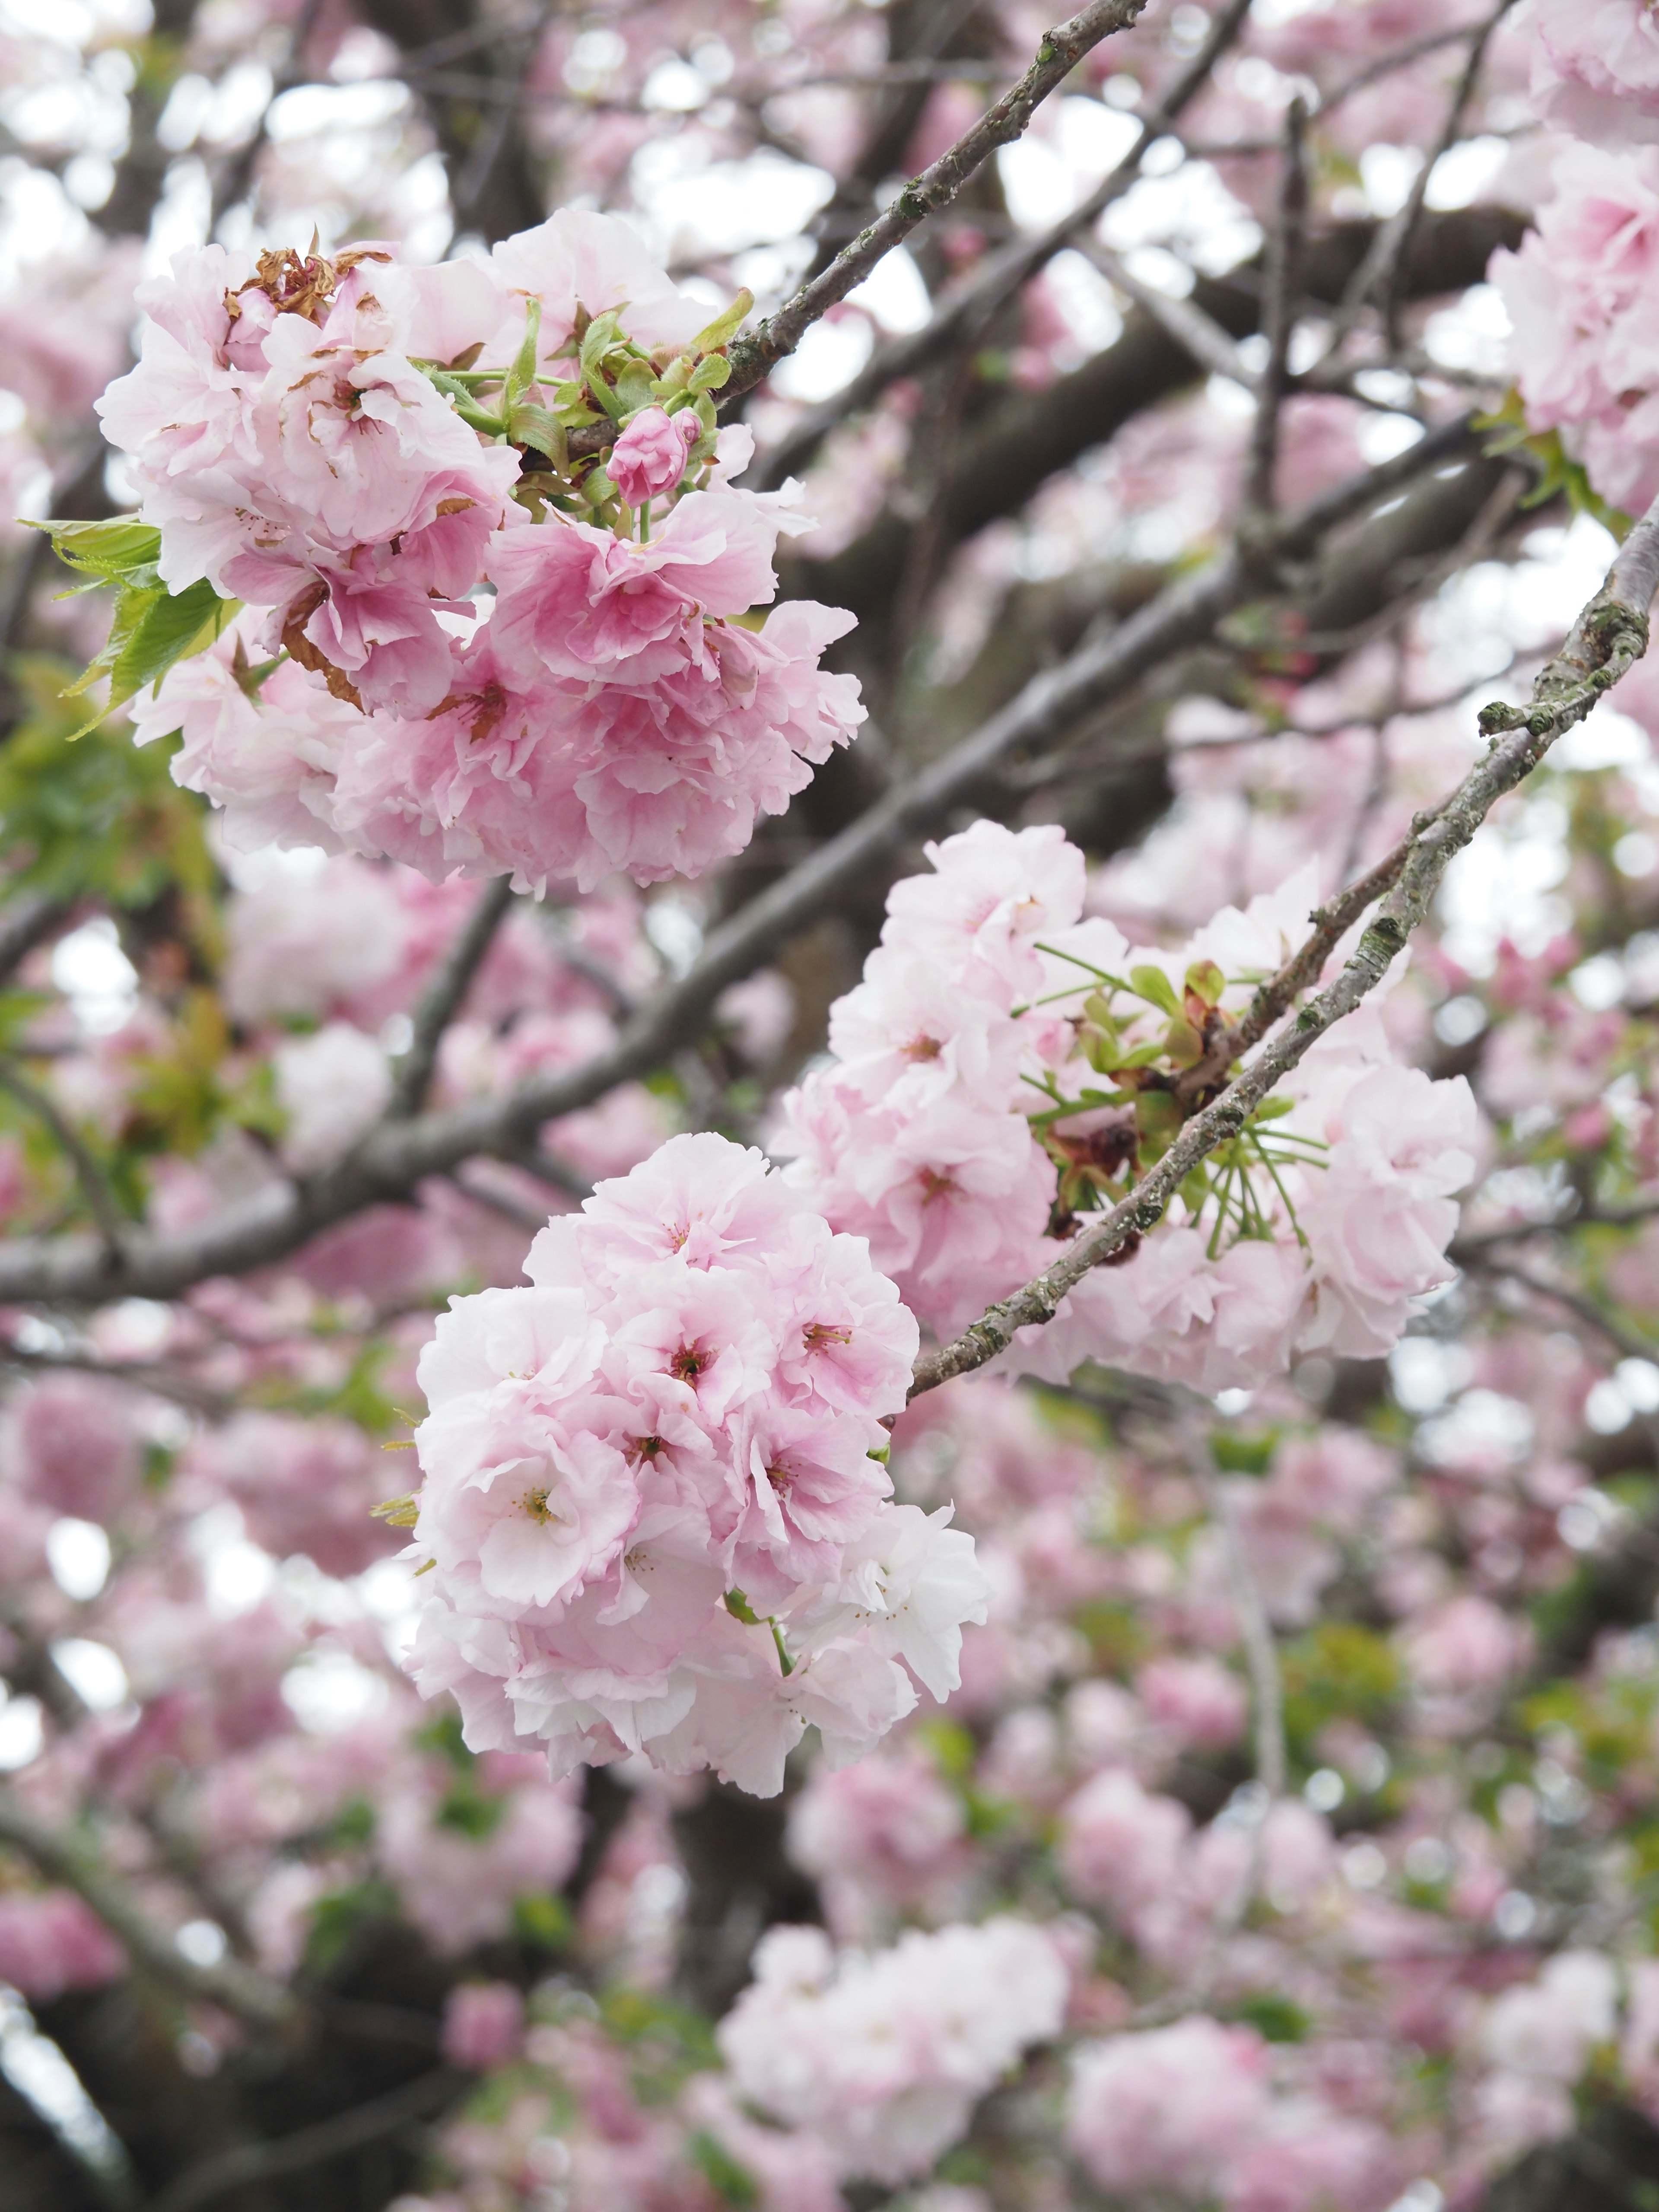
[
  {"x": 396, "y": 1155},
  {"x": 239, "y": 1988},
  {"x": 1608, "y": 638},
  {"x": 753, "y": 354}
]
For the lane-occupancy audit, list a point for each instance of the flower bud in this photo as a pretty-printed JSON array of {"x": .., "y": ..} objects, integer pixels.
[{"x": 649, "y": 457}]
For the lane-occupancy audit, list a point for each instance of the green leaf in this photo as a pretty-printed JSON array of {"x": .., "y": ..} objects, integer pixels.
[
  {"x": 1141, "y": 1056},
  {"x": 571, "y": 408},
  {"x": 1340, "y": 1670},
  {"x": 740, "y": 1609},
  {"x": 338, "y": 1920},
  {"x": 154, "y": 628},
  {"x": 710, "y": 373},
  {"x": 1154, "y": 986},
  {"x": 108, "y": 549},
  {"x": 604, "y": 335},
  {"x": 1235, "y": 1453},
  {"x": 1561, "y": 477},
  {"x": 1183, "y": 1043},
  {"x": 470, "y": 1812},
  {"x": 1274, "y": 2017},
  {"x": 722, "y": 2171},
  {"x": 102, "y": 818},
  {"x": 952, "y": 1747},
  {"x": 725, "y": 326},
  {"x": 541, "y": 1919},
  {"x": 530, "y": 423},
  {"x": 1206, "y": 981},
  {"x": 522, "y": 374},
  {"x": 634, "y": 392},
  {"x": 460, "y": 398}
]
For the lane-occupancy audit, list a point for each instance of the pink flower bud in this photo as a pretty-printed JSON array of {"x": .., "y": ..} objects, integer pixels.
[
  {"x": 649, "y": 457},
  {"x": 484, "y": 2025}
]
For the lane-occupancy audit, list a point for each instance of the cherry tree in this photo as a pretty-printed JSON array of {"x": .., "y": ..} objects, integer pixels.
[{"x": 827, "y": 789}]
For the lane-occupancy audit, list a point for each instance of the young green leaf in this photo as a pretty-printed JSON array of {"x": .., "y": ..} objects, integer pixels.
[
  {"x": 725, "y": 327},
  {"x": 1154, "y": 986},
  {"x": 522, "y": 374},
  {"x": 114, "y": 547},
  {"x": 153, "y": 629},
  {"x": 1206, "y": 982},
  {"x": 710, "y": 373}
]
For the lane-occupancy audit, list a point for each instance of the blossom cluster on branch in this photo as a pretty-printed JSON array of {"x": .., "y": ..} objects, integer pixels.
[
  {"x": 656, "y": 1505},
  {"x": 1206, "y": 1757},
  {"x": 1008, "y": 1065},
  {"x": 472, "y": 652}
]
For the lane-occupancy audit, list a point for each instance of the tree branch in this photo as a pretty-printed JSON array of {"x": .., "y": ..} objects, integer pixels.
[
  {"x": 1624, "y": 1341},
  {"x": 240, "y": 1990},
  {"x": 443, "y": 995},
  {"x": 94, "y": 1188},
  {"x": 1279, "y": 319},
  {"x": 395, "y": 1157},
  {"x": 752, "y": 356},
  {"x": 27, "y": 919},
  {"x": 1254, "y": 1630},
  {"x": 1210, "y": 346},
  {"x": 307, "y": 2146},
  {"x": 966, "y": 307},
  {"x": 1394, "y": 243},
  {"x": 1608, "y": 638}
]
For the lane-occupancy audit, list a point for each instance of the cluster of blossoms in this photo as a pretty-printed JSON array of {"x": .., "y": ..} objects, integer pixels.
[
  {"x": 464, "y": 647},
  {"x": 1008, "y": 1065},
  {"x": 656, "y": 1502},
  {"x": 1188, "y": 2111},
  {"x": 884, "y": 2056},
  {"x": 1579, "y": 291}
]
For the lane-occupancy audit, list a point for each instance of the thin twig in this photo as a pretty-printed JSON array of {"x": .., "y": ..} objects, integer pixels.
[
  {"x": 1255, "y": 1629},
  {"x": 442, "y": 996},
  {"x": 1378, "y": 276},
  {"x": 1609, "y": 637},
  {"x": 234, "y": 180},
  {"x": 160, "y": 1381},
  {"x": 396, "y": 1155},
  {"x": 1280, "y": 992},
  {"x": 1002, "y": 275},
  {"x": 1470, "y": 1248},
  {"x": 240, "y": 1990},
  {"x": 755, "y": 354},
  {"x": 1624, "y": 1341},
  {"x": 1386, "y": 285},
  {"x": 308, "y": 2147},
  {"x": 558, "y": 1175},
  {"x": 1210, "y": 346},
  {"x": 1279, "y": 313},
  {"x": 100, "y": 1200}
]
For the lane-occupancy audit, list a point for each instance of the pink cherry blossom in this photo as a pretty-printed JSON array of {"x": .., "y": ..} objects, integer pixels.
[
  {"x": 686, "y": 1405},
  {"x": 1170, "y": 2108},
  {"x": 483, "y": 2025},
  {"x": 884, "y": 2056},
  {"x": 1119, "y": 1846},
  {"x": 50, "y": 1941},
  {"x": 72, "y": 1443},
  {"x": 649, "y": 457}
]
